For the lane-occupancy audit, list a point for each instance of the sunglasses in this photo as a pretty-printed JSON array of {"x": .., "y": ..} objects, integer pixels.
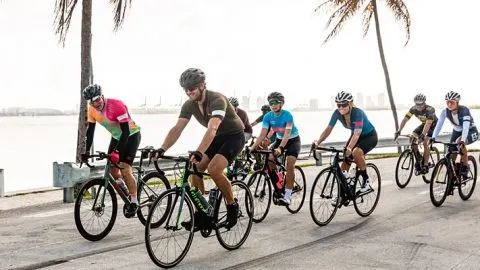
[
  {"x": 451, "y": 102},
  {"x": 342, "y": 105},
  {"x": 273, "y": 102}
]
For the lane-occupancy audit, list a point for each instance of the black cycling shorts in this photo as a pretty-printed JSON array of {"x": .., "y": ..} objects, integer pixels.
[
  {"x": 228, "y": 146},
  {"x": 419, "y": 129},
  {"x": 292, "y": 148},
  {"x": 127, "y": 155},
  {"x": 366, "y": 142}
]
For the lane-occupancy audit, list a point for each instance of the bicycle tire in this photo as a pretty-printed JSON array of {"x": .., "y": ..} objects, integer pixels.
[
  {"x": 360, "y": 199},
  {"x": 335, "y": 182},
  {"x": 442, "y": 163},
  {"x": 296, "y": 189},
  {"x": 473, "y": 172},
  {"x": 151, "y": 194},
  {"x": 262, "y": 189},
  {"x": 83, "y": 193},
  {"x": 406, "y": 156}
]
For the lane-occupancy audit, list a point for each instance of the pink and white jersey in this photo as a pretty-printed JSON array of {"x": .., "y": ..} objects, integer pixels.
[{"x": 114, "y": 113}]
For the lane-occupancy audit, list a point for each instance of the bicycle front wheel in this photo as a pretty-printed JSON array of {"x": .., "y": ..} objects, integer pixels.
[
  {"x": 234, "y": 237},
  {"x": 91, "y": 210},
  {"x": 149, "y": 187},
  {"x": 325, "y": 197},
  {"x": 261, "y": 190},
  {"x": 440, "y": 183},
  {"x": 404, "y": 169},
  {"x": 298, "y": 192},
  {"x": 433, "y": 160},
  {"x": 168, "y": 243}
]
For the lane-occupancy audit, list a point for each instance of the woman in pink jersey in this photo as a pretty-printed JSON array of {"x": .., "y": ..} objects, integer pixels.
[{"x": 114, "y": 116}]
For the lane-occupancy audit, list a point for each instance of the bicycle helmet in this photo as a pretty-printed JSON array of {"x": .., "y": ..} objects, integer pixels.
[
  {"x": 92, "y": 91},
  {"x": 233, "y": 101},
  {"x": 452, "y": 96},
  {"x": 265, "y": 108},
  {"x": 343, "y": 97},
  {"x": 276, "y": 96},
  {"x": 420, "y": 99},
  {"x": 192, "y": 77}
]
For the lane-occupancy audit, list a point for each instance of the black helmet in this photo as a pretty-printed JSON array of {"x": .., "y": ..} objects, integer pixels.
[
  {"x": 452, "y": 96},
  {"x": 420, "y": 99},
  {"x": 192, "y": 77},
  {"x": 277, "y": 96},
  {"x": 91, "y": 91},
  {"x": 265, "y": 108},
  {"x": 233, "y": 101},
  {"x": 343, "y": 97}
]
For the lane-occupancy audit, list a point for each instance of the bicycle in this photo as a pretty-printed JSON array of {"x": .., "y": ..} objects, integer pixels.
[
  {"x": 338, "y": 190},
  {"x": 260, "y": 185},
  {"x": 411, "y": 161},
  {"x": 452, "y": 178},
  {"x": 243, "y": 163},
  {"x": 93, "y": 197},
  {"x": 211, "y": 217}
]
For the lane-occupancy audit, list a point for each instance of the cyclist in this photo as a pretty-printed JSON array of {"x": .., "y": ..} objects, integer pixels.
[
  {"x": 464, "y": 130},
  {"x": 221, "y": 143},
  {"x": 287, "y": 139},
  {"x": 243, "y": 116},
  {"x": 426, "y": 114},
  {"x": 114, "y": 116},
  {"x": 271, "y": 136},
  {"x": 362, "y": 139}
]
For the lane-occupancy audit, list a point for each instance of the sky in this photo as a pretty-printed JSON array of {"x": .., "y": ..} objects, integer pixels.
[{"x": 245, "y": 47}]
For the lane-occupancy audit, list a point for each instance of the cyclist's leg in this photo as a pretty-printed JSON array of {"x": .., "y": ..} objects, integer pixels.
[
  {"x": 364, "y": 145},
  {"x": 426, "y": 146},
  {"x": 416, "y": 133},
  {"x": 292, "y": 149},
  {"x": 472, "y": 137},
  {"x": 127, "y": 156},
  {"x": 115, "y": 172},
  {"x": 455, "y": 135},
  {"x": 345, "y": 166},
  {"x": 272, "y": 168}
]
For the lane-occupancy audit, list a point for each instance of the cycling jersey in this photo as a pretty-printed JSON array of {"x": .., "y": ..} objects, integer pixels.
[
  {"x": 280, "y": 123},
  {"x": 215, "y": 105},
  {"x": 358, "y": 120},
  {"x": 244, "y": 117},
  {"x": 423, "y": 115},
  {"x": 113, "y": 113},
  {"x": 462, "y": 121}
]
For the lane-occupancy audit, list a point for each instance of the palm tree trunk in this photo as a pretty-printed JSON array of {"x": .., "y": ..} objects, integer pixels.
[
  {"x": 385, "y": 68},
  {"x": 86, "y": 73}
]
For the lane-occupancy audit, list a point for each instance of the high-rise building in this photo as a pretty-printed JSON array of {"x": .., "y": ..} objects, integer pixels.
[
  {"x": 359, "y": 100},
  {"x": 381, "y": 100},
  {"x": 245, "y": 104},
  {"x": 369, "y": 103},
  {"x": 313, "y": 104}
]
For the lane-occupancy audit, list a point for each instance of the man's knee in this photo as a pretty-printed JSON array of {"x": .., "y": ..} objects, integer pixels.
[{"x": 357, "y": 152}]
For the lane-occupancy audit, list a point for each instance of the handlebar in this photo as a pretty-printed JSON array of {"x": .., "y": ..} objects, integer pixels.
[{"x": 100, "y": 156}]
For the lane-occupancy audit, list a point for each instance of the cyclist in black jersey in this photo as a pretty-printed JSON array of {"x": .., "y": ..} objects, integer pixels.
[{"x": 426, "y": 114}]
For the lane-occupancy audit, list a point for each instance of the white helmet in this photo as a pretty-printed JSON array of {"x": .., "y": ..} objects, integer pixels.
[{"x": 343, "y": 97}]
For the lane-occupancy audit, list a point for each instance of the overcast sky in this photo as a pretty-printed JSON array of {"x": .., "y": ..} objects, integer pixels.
[{"x": 248, "y": 46}]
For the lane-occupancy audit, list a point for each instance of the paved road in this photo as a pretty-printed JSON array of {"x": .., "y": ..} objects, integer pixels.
[{"x": 405, "y": 232}]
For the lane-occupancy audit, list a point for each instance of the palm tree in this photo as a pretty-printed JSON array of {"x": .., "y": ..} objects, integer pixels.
[
  {"x": 345, "y": 9},
  {"x": 63, "y": 15}
]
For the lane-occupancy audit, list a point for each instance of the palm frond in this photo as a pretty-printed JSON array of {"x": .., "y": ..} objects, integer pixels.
[
  {"x": 63, "y": 16},
  {"x": 401, "y": 13},
  {"x": 329, "y": 5},
  {"x": 367, "y": 16},
  {"x": 346, "y": 11},
  {"x": 119, "y": 8}
]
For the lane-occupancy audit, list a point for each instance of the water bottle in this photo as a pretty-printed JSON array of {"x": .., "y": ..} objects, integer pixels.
[
  {"x": 212, "y": 199},
  {"x": 200, "y": 201},
  {"x": 280, "y": 180},
  {"x": 122, "y": 186}
]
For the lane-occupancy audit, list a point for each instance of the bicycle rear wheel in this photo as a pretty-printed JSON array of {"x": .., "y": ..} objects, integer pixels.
[
  {"x": 434, "y": 158},
  {"x": 365, "y": 202},
  {"x": 261, "y": 190},
  {"x": 149, "y": 187},
  {"x": 161, "y": 248},
  {"x": 404, "y": 169},
  {"x": 466, "y": 187},
  {"x": 89, "y": 210},
  {"x": 298, "y": 192},
  {"x": 234, "y": 237},
  {"x": 325, "y": 197},
  {"x": 440, "y": 183}
]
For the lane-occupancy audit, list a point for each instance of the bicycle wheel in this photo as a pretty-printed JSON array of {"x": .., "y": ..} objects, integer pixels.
[
  {"x": 434, "y": 158},
  {"x": 89, "y": 210},
  {"x": 261, "y": 190},
  {"x": 327, "y": 193},
  {"x": 163, "y": 242},
  {"x": 298, "y": 192},
  {"x": 365, "y": 202},
  {"x": 440, "y": 183},
  {"x": 404, "y": 169},
  {"x": 149, "y": 187},
  {"x": 466, "y": 187},
  {"x": 234, "y": 237}
]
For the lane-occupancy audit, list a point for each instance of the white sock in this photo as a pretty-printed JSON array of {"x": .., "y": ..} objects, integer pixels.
[{"x": 288, "y": 193}]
